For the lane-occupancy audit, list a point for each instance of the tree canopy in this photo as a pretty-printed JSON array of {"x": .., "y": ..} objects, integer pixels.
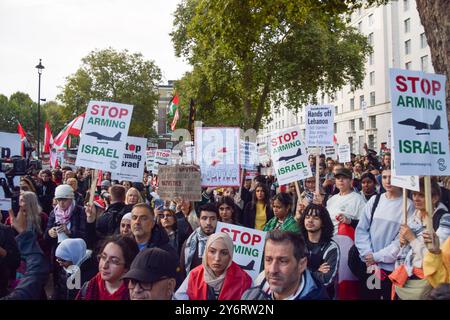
[
  {"x": 248, "y": 55},
  {"x": 109, "y": 75}
]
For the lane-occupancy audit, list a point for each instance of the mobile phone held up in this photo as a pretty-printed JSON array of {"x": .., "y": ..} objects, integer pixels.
[{"x": 15, "y": 204}]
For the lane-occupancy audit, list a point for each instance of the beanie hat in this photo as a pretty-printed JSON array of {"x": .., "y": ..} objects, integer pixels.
[{"x": 64, "y": 191}]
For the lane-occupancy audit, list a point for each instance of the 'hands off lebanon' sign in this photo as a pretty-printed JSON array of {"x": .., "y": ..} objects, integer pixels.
[
  {"x": 289, "y": 156},
  {"x": 179, "y": 181},
  {"x": 133, "y": 162},
  {"x": 248, "y": 246},
  {"x": 319, "y": 125},
  {"x": 104, "y": 135},
  {"x": 419, "y": 116}
]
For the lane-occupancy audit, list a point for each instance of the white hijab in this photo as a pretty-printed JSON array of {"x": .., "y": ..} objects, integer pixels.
[{"x": 211, "y": 279}]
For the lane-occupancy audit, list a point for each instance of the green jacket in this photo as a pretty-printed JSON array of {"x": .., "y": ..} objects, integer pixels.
[{"x": 289, "y": 224}]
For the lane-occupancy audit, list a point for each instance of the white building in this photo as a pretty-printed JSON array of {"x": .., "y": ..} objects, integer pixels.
[{"x": 398, "y": 41}]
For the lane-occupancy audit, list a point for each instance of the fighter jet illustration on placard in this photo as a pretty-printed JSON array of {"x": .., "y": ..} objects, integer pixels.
[
  {"x": 99, "y": 136},
  {"x": 422, "y": 125},
  {"x": 286, "y": 158},
  {"x": 249, "y": 267}
]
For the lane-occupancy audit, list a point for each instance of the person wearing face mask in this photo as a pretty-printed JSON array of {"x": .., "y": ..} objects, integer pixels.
[
  {"x": 218, "y": 277},
  {"x": 78, "y": 266},
  {"x": 116, "y": 255}
]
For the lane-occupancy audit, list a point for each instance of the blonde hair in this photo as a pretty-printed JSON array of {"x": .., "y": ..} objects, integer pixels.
[
  {"x": 131, "y": 190},
  {"x": 33, "y": 210}
]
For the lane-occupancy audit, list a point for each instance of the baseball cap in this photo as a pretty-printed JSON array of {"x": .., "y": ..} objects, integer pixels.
[
  {"x": 344, "y": 172},
  {"x": 151, "y": 265}
]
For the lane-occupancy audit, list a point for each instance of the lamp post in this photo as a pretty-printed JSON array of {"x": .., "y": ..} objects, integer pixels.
[{"x": 40, "y": 67}]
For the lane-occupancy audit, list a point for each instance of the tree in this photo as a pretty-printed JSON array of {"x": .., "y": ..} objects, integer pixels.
[
  {"x": 109, "y": 75},
  {"x": 248, "y": 55}
]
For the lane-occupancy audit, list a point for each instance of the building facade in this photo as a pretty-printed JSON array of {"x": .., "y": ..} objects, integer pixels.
[{"x": 364, "y": 115}]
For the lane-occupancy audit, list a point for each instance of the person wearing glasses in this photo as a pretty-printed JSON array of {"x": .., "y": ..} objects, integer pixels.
[
  {"x": 78, "y": 266},
  {"x": 169, "y": 223},
  {"x": 115, "y": 258},
  {"x": 152, "y": 275}
]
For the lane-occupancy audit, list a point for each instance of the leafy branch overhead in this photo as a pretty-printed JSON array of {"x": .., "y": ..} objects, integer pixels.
[{"x": 248, "y": 55}]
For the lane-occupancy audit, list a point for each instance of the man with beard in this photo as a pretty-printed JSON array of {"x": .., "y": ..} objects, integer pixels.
[
  {"x": 285, "y": 271},
  {"x": 193, "y": 247}
]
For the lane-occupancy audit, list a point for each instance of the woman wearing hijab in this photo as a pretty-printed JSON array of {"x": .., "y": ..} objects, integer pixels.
[
  {"x": 78, "y": 266},
  {"x": 114, "y": 261},
  {"x": 218, "y": 277}
]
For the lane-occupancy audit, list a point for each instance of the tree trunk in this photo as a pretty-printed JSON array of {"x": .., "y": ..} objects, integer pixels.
[
  {"x": 247, "y": 85},
  {"x": 262, "y": 102},
  {"x": 435, "y": 18}
]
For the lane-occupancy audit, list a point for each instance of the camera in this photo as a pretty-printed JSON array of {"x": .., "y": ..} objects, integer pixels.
[{"x": 16, "y": 166}]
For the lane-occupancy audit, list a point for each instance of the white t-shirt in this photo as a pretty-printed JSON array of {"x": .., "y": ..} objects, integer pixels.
[{"x": 351, "y": 205}]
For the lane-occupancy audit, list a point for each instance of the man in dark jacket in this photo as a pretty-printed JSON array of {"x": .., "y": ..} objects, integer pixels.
[
  {"x": 9, "y": 258},
  {"x": 286, "y": 276},
  {"x": 47, "y": 191},
  {"x": 31, "y": 286}
]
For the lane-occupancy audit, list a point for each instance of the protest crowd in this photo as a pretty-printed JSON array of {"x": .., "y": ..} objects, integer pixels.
[{"x": 345, "y": 238}]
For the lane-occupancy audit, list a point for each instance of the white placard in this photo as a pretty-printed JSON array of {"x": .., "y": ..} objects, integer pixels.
[
  {"x": 419, "y": 116},
  {"x": 344, "y": 153},
  {"x": 162, "y": 157},
  {"x": 249, "y": 155},
  {"x": 319, "y": 128},
  {"x": 407, "y": 182},
  {"x": 104, "y": 135},
  {"x": 133, "y": 161},
  {"x": 5, "y": 204}
]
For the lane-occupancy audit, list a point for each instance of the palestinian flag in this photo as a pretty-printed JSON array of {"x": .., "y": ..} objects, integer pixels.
[{"x": 173, "y": 105}]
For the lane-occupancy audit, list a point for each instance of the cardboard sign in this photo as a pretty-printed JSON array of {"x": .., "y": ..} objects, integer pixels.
[
  {"x": 104, "y": 135},
  {"x": 289, "y": 157},
  {"x": 344, "y": 153},
  {"x": 179, "y": 181},
  {"x": 217, "y": 154},
  {"x": 133, "y": 161},
  {"x": 319, "y": 125},
  {"x": 248, "y": 246},
  {"x": 419, "y": 117},
  {"x": 150, "y": 154},
  {"x": 249, "y": 155},
  {"x": 162, "y": 157}
]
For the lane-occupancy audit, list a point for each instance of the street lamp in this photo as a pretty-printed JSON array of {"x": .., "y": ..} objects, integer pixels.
[{"x": 40, "y": 67}]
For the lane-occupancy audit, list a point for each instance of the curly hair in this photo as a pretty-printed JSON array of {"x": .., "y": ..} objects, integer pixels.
[{"x": 327, "y": 225}]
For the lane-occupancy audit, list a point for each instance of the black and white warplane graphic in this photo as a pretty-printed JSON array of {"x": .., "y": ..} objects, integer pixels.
[
  {"x": 99, "y": 136},
  {"x": 250, "y": 266},
  {"x": 422, "y": 125},
  {"x": 287, "y": 158}
]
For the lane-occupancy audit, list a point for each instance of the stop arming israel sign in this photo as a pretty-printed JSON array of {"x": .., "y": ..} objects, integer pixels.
[
  {"x": 104, "y": 135},
  {"x": 289, "y": 156},
  {"x": 248, "y": 246},
  {"x": 133, "y": 162},
  {"x": 319, "y": 127},
  {"x": 420, "y": 131}
]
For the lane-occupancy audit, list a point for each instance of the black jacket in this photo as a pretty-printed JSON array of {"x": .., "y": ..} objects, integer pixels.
[
  {"x": 109, "y": 222},
  {"x": 10, "y": 262},
  {"x": 249, "y": 216},
  {"x": 46, "y": 195},
  {"x": 32, "y": 284}
]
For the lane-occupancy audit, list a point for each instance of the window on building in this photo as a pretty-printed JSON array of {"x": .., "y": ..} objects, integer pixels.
[
  {"x": 370, "y": 19},
  {"x": 407, "y": 46},
  {"x": 352, "y": 104},
  {"x": 372, "y": 98},
  {"x": 361, "y": 101},
  {"x": 371, "y": 58},
  {"x": 408, "y": 65},
  {"x": 373, "y": 122},
  {"x": 335, "y": 127},
  {"x": 372, "y": 78},
  {"x": 424, "y": 63},
  {"x": 370, "y": 38},
  {"x": 352, "y": 125},
  {"x": 336, "y": 111},
  {"x": 350, "y": 142},
  {"x": 405, "y": 5},
  {"x": 361, "y": 124},
  {"x": 407, "y": 24},
  {"x": 423, "y": 40}
]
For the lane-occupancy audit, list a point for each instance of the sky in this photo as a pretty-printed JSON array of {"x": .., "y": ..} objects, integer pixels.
[{"x": 62, "y": 32}]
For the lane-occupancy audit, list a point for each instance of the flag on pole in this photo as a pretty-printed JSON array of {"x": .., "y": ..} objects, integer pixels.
[
  {"x": 22, "y": 139},
  {"x": 173, "y": 105},
  {"x": 48, "y": 138},
  {"x": 73, "y": 128},
  {"x": 175, "y": 120}
]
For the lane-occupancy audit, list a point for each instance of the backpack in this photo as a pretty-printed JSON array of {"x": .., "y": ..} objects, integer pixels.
[{"x": 356, "y": 265}]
